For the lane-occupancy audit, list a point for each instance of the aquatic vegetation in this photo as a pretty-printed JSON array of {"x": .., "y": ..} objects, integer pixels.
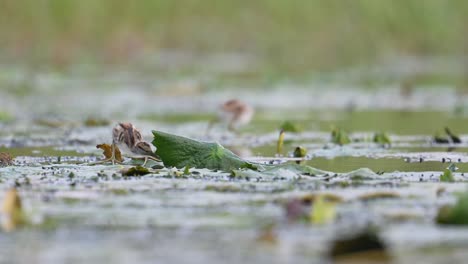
[
  {"x": 455, "y": 138},
  {"x": 323, "y": 211},
  {"x": 447, "y": 176},
  {"x": 456, "y": 214},
  {"x": 95, "y": 122},
  {"x": 379, "y": 195},
  {"x": 135, "y": 171},
  {"x": 449, "y": 138},
  {"x": 340, "y": 137},
  {"x": 280, "y": 143},
  {"x": 299, "y": 152},
  {"x": 289, "y": 126},
  {"x": 382, "y": 138},
  {"x": 179, "y": 152}
]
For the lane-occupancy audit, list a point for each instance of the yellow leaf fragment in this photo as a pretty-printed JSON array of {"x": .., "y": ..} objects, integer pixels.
[
  {"x": 108, "y": 151},
  {"x": 12, "y": 211},
  {"x": 323, "y": 211}
]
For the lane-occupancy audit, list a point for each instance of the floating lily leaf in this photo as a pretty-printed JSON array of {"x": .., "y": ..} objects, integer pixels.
[
  {"x": 135, "y": 171},
  {"x": 455, "y": 215},
  {"x": 13, "y": 211},
  {"x": 323, "y": 212},
  {"x": 382, "y": 138},
  {"x": 177, "y": 151},
  {"x": 5, "y": 159},
  {"x": 108, "y": 151},
  {"x": 288, "y": 126},
  {"x": 340, "y": 137}
]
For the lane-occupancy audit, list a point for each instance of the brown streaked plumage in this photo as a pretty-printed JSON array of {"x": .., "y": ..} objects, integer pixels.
[
  {"x": 129, "y": 140},
  {"x": 236, "y": 113}
]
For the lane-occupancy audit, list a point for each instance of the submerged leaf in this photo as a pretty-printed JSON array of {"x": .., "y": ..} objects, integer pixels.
[
  {"x": 323, "y": 212},
  {"x": 288, "y": 126},
  {"x": 108, "y": 151},
  {"x": 177, "y": 151},
  {"x": 12, "y": 210}
]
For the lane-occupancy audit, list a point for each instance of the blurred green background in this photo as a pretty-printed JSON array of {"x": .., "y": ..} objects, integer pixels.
[{"x": 294, "y": 36}]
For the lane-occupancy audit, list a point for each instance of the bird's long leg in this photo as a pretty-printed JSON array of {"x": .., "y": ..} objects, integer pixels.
[
  {"x": 113, "y": 153},
  {"x": 146, "y": 158}
]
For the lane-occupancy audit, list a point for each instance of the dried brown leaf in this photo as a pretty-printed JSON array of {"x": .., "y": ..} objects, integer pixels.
[
  {"x": 12, "y": 210},
  {"x": 108, "y": 151}
]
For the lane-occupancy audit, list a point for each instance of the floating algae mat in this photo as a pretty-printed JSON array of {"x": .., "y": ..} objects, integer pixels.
[{"x": 220, "y": 196}]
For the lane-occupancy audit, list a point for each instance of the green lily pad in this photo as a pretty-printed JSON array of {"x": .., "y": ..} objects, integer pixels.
[
  {"x": 340, "y": 137},
  {"x": 382, "y": 138},
  {"x": 177, "y": 151},
  {"x": 456, "y": 214}
]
